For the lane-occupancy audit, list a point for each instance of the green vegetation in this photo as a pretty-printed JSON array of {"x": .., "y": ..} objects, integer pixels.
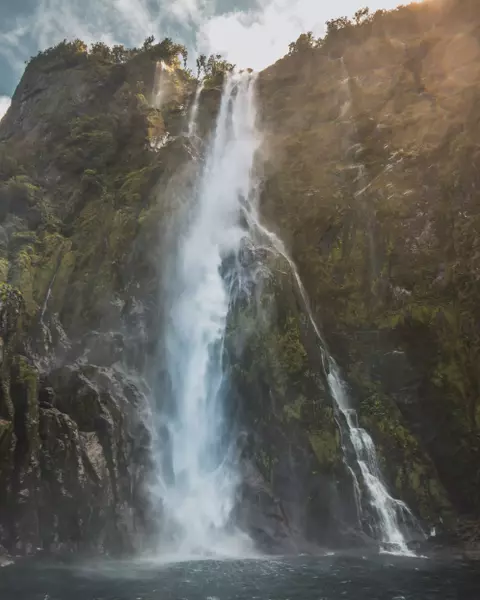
[
  {"x": 326, "y": 446},
  {"x": 364, "y": 24},
  {"x": 70, "y": 54},
  {"x": 373, "y": 181},
  {"x": 213, "y": 69}
]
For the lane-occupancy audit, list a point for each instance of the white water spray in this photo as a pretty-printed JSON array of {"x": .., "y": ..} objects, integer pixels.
[
  {"x": 162, "y": 85},
  {"x": 199, "y": 498}
]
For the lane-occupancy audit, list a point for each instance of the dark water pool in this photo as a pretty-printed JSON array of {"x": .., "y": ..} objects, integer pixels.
[{"x": 332, "y": 577}]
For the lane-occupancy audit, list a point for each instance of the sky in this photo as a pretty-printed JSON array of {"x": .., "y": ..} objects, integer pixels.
[{"x": 249, "y": 33}]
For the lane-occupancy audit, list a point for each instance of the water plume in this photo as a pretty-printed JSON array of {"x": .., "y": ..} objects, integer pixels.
[{"x": 198, "y": 490}]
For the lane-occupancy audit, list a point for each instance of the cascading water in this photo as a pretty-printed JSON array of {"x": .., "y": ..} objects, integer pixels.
[
  {"x": 192, "y": 120},
  {"x": 390, "y": 515},
  {"x": 199, "y": 495}
]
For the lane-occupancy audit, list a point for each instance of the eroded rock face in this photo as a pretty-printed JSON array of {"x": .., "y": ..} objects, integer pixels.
[
  {"x": 359, "y": 180},
  {"x": 82, "y": 196},
  {"x": 74, "y": 449},
  {"x": 79, "y": 464}
]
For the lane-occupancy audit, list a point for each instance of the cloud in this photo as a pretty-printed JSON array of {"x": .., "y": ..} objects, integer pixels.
[
  {"x": 111, "y": 21},
  {"x": 258, "y": 37},
  {"x": 4, "y": 104},
  {"x": 251, "y": 33},
  {"x": 191, "y": 10}
]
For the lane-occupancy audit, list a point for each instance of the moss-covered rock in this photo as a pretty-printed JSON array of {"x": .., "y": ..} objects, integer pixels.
[
  {"x": 370, "y": 184},
  {"x": 80, "y": 169},
  {"x": 278, "y": 378}
]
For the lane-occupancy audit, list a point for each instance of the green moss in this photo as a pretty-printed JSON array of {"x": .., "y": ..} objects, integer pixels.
[
  {"x": 326, "y": 446},
  {"x": 23, "y": 238},
  {"x": 50, "y": 251},
  {"x": 23, "y": 275},
  {"x": 416, "y": 476},
  {"x": 294, "y": 409},
  {"x": 134, "y": 186},
  {"x": 28, "y": 378},
  {"x": 402, "y": 459},
  {"x": 3, "y": 270},
  {"x": 7, "y": 440},
  {"x": 34, "y": 264},
  {"x": 20, "y": 189},
  {"x": 92, "y": 182},
  {"x": 451, "y": 374},
  {"x": 28, "y": 375},
  {"x": 91, "y": 142},
  {"x": 11, "y": 311},
  {"x": 6, "y": 431},
  {"x": 416, "y": 482},
  {"x": 63, "y": 276},
  {"x": 11, "y": 300},
  {"x": 123, "y": 230},
  {"x": 291, "y": 350}
]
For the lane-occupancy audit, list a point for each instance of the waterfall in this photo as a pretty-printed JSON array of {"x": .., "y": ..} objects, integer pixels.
[
  {"x": 163, "y": 84},
  {"x": 198, "y": 487},
  {"x": 390, "y": 515},
  {"x": 199, "y": 494},
  {"x": 47, "y": 296},
  {"x": 192, "y": 119}
]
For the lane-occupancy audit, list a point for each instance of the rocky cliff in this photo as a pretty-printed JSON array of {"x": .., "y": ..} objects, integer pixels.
[
  {"x": 81, "y": 161},
  {"x": 369, "y": 173},
  {"x": 372, "y": 175}
]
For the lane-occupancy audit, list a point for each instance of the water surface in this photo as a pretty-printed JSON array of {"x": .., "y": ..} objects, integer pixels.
[{"x": 300, "y": 578}]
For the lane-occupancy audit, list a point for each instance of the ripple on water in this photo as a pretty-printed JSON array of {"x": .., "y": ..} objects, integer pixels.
[{"x": 336, "y": 577}]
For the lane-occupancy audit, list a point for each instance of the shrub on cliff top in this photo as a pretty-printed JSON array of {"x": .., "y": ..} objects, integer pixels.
[
  {"x": 64, "y": 54},
  {"x": 71, "y": 54}
]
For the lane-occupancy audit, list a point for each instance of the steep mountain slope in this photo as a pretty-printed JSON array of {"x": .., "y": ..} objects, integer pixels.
[
  {"x": 79, "y": 218},
  {"x": 372, "y": 176},
  {"x": 368, "y": 172}
]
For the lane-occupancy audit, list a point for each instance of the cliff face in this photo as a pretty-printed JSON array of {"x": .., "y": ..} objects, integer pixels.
[
  {"x": 80, "y": 158},
  {"x": 370, "y": 175}
]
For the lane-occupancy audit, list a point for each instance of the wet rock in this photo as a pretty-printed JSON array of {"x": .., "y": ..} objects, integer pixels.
[
  {"x": 293, "y": 442},
  {"x": 79, "y": 465},
  {"x": 260, "y": 514}
]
